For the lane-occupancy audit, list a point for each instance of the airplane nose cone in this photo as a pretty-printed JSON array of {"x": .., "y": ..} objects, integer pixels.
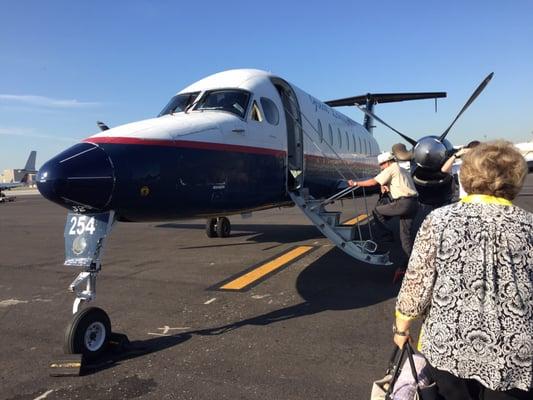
[{"x": 81, "y": 176}]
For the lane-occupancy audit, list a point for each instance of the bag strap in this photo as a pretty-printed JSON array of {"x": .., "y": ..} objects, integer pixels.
[
  {"x": 396, "y": 370},
  {"x": 407, "y": 349},
  {"x": 393, "y": 360},
  {"x": 410, "y": 353}
]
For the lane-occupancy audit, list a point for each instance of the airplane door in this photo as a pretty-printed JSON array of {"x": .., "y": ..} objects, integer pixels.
[{"x": 295, "y": 148}]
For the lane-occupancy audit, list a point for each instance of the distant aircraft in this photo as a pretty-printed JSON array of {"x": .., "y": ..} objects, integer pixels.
[
  {"x": 234, "y": 142},
  {"x": 28, "y": 169}
]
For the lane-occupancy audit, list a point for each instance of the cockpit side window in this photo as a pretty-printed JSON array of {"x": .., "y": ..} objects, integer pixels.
[
  {"x": 271, "y": 111},
  {"x": 179, "y": 103},
  {"x": 230, "y": 100},
  {"x": 255, "y": 115}
]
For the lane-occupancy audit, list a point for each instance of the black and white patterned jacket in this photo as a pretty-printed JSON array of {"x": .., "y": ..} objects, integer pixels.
[{"x": 471, "y": 276}]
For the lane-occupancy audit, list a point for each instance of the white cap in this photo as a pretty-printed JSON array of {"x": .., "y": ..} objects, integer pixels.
[{"x": 384, "y": 157}]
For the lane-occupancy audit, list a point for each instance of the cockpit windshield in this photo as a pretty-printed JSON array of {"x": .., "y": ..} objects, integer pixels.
[
  {"x": 231, "y": 100},
  {"x": 179, "y": 103}
]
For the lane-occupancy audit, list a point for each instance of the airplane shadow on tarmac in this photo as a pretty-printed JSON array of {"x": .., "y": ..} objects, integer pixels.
[
  {"x": 255, "y": 233},
  {"x": 333, "y": 282}
]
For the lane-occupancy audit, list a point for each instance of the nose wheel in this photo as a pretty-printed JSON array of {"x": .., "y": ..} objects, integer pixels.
[
  {"x": 88, "y": 333},
  {"x": 218, "y": 227}
]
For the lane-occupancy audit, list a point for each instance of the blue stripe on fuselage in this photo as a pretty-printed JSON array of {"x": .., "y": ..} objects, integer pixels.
[{"x": 161, "y": 182}]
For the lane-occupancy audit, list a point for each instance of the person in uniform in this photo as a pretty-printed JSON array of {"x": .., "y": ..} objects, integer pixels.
[{"x": 404, "y": 203}]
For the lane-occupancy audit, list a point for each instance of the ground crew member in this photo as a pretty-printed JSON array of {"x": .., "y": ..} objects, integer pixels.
[{"x": 404, "y": 203}]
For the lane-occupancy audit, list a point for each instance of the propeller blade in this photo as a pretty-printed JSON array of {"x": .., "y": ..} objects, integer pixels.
[
  {"x": 372, "y": 115},
  {"x": 467, "y": 104}
]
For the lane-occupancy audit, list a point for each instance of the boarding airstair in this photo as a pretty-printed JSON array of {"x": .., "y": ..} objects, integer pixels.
[{"x": 348, "y": 238}]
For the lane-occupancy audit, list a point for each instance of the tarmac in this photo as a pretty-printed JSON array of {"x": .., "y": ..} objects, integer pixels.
[{"x": 318, "y": 327}]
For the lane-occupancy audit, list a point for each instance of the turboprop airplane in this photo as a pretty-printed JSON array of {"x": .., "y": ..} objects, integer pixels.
[
  {"x": 234, "y": 142},
  {"x": 29, "y": 168}
]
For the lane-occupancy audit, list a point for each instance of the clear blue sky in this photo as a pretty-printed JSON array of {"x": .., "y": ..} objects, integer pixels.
[{"x": 66, "y": 64}]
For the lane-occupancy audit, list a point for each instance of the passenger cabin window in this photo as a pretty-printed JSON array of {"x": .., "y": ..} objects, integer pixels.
[
  {"x": 360, "y": 145},
  {"x": 366, "y": 150},
  {"x": 271, "y": 111},
  {"x": 320, "y": 133},
  {"x": 179, "y": 103},
  {"x": 330, "y": 135},
  {"x": 255, "y": 115},
  {"x": 339, "y": 137},
  {"x": 353, "y": 140},
  {"x": 230, "y": 100}
]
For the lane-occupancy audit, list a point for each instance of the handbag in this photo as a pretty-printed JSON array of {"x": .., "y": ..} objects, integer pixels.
[
  {"x": 398, "y": 384},
  {"x": 381, "y": 387}
]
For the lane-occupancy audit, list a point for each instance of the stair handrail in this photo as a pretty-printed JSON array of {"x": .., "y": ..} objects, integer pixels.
[{"x": 342, "y": 193}]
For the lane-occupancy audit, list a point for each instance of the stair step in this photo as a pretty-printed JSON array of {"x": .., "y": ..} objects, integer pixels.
[
  {"x": 341, "y": 235},
  {"x": 346, "y": 232},
  {"x": 330, "y": 217},
  {"x": 312, "y": 204}
]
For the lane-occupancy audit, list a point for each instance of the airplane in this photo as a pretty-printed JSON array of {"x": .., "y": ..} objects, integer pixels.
[
  {"x": 28, "y": 169},
  {"x": 234, "y": 142}
]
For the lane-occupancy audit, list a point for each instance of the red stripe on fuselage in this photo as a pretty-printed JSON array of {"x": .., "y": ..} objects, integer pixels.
[
  {"x": 217, "y": 147},
  {"x": 185, "y": 144}
]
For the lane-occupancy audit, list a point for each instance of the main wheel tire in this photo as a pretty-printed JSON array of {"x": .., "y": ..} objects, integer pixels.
[
  {"x": 88, "y": 333},
  {"x": 211, "y": 227},
  {"x": 223, "y": 227}
]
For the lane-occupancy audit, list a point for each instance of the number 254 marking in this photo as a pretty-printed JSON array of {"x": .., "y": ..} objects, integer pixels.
[{"x": 80, "y": 225}]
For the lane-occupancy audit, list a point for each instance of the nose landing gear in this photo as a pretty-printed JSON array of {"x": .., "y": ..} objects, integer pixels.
[{"x": 89, "y": 331}]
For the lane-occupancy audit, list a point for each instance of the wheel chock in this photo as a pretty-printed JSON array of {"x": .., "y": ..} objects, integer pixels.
[
  {"x": 118, "y": 342},
  {"x": 66, "y": 365}
]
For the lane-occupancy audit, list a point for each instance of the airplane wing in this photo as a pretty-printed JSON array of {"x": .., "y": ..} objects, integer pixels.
[
  {"x": 381, "y": 98},
  {"x": 11, "y": 185}
]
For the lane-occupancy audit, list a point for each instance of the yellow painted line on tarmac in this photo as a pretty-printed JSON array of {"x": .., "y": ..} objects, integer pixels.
[
  {"x": 262, "y": 270},
  {"x": 355, "y": 220}
]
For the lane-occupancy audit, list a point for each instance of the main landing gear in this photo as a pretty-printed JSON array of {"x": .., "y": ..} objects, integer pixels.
[
  {"x": 218, "y": 227},
  {"x": 89, "y": 330}
]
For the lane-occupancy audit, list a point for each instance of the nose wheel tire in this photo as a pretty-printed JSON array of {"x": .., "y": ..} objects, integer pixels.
[{"x": 88, "y": 333}]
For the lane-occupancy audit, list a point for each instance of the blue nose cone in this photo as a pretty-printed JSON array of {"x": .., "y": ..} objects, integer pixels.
[{"x": 81, "y": 176}]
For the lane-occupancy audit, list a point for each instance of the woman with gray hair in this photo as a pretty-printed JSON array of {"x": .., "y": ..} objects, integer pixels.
[{"x": 471, "y": 276}]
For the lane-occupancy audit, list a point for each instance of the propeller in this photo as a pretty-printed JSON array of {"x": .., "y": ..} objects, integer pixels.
[{"x": 430, "y": 151}]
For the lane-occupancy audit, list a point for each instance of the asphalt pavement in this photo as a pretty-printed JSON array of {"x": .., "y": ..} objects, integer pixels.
[{"x": 317, "y": 328}]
